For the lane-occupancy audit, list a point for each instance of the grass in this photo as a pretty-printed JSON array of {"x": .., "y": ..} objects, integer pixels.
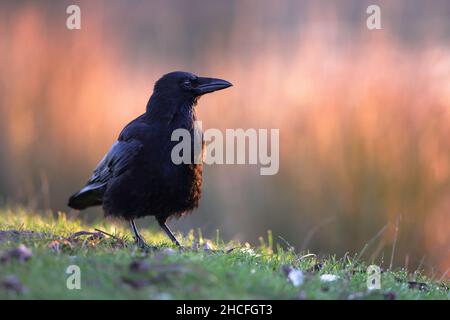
[{"x": 113, "y": 268}]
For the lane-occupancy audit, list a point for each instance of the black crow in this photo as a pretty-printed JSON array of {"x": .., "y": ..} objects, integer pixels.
[{"x": 137, "y": 177}]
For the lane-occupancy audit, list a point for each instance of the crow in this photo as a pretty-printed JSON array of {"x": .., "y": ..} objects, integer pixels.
[{"x": 137, "y": 177}]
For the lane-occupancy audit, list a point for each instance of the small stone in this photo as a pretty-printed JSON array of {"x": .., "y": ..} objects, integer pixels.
[
  {"x": 328, "y": 277},
  {"x": 295, "y": 276}
]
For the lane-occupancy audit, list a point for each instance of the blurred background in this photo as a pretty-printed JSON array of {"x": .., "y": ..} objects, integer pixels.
[{"x": 364, "y": 116}]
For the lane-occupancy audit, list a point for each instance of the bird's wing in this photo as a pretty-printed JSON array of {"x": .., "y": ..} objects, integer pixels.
[{"x": 116, "y": 162}]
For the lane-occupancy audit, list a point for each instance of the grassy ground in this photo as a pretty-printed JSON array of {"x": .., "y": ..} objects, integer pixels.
[{"x": 36, "y": 250}]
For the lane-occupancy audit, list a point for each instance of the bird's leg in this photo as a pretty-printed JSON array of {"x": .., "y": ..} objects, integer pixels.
[
  {"x": 140, "y": 242},
  {"x": 162, "y": 224}
]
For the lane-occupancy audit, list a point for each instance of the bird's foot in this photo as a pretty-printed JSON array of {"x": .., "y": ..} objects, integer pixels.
[{"x": 141, "y": 244}]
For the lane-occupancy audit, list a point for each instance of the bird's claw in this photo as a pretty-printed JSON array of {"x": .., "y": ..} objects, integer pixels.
[{"x": 141, "y": 244}]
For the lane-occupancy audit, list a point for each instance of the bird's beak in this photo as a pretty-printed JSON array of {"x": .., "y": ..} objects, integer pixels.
[{"x": 207, "y": 85}]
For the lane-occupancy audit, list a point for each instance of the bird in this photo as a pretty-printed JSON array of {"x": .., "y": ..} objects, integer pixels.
[{"x": 137, "y": 177}]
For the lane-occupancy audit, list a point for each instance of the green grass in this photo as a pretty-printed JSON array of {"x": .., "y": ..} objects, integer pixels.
[{"x": 113, "y": 268}]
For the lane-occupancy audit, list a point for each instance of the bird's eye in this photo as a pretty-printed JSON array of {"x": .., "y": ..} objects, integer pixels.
[{"x": 187, "y": 84}]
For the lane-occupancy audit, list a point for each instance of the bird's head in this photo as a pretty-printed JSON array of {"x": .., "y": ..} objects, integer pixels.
[{"x": 187, "y": 86}]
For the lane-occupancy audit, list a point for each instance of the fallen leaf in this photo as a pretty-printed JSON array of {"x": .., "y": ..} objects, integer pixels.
[
  {"x": 54, "y": 245},
  {"x": 12, "y": 283},
  {"x": 66, "y": 245},
  {"x": 21, "y": 254}
]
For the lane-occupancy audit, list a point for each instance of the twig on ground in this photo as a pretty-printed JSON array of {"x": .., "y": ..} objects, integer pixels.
[
  {"x": 80, "y": 233},
  {"x": 110, "y": 235}
]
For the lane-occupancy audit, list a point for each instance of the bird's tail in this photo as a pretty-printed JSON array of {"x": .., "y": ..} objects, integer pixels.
[{"x": 87, "y": 197}]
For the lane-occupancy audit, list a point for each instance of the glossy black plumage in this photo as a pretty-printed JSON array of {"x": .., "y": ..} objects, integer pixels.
[{"x": 137, "y": 177}]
